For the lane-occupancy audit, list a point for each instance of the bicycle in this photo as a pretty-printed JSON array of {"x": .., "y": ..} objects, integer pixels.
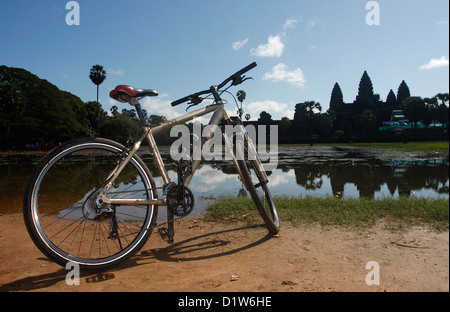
[{"x": 94, "y": 202}]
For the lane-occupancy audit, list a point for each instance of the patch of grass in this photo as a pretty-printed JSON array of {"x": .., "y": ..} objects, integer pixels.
[
  {"x": 350, "y": 213},
  {"x": 429, "y": 147}
]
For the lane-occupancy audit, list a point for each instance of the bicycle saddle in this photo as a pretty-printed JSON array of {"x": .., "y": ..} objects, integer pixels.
[{"x": 126, "y": 94}]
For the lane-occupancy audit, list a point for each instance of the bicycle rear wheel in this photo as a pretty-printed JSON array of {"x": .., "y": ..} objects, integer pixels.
[
  {"x": 255, "y": 181},
  {"x": 61, "y": 213}
]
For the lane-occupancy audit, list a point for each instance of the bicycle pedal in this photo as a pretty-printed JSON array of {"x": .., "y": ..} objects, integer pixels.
[{"x": 165, "y": 235}]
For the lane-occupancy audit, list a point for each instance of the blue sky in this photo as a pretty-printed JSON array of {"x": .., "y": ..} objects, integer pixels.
[{"x": 179, "y": 47}]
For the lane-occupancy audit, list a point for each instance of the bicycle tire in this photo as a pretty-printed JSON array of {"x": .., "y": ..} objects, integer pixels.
[
  {"x": 263, "y": 199},
  {"x": 59, "y": 200}
]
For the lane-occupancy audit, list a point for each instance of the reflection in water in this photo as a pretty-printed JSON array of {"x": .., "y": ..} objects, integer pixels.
[
  {"x": 368, "y": 181},
  {"x": 323, "y": 172},
  {"x": 371, "y": 181}
]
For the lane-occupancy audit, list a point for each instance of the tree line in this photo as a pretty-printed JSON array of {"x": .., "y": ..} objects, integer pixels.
[
  {"x": 311, "y": 124},
  {"x": 35, "y": 114}
]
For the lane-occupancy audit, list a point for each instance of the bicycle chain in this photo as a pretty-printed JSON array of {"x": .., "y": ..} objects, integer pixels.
[{"x": 176, "y": 218}]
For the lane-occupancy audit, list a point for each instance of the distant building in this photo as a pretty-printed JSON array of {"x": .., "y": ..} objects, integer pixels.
[
  {"x": 397, "y": 116},
  {"x": 349, "y": 115}
]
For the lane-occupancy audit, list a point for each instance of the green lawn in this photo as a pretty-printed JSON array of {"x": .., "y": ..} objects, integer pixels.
[
  {"x": 438, "y": 146},
  {"x": 359, "y": 213}
]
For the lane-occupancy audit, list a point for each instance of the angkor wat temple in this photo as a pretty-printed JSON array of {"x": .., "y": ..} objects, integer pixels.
[{"x": 367, "y": 107}]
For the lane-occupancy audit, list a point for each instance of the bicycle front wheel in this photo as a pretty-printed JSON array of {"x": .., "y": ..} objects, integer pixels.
[{"x": 62, "y": 215}]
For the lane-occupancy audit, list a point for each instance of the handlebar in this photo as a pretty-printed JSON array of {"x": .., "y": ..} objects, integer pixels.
[{"x": 236, "y": 79}]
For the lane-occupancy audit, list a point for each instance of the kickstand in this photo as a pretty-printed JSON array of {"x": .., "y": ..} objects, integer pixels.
[{"x": 168, "y": 233}]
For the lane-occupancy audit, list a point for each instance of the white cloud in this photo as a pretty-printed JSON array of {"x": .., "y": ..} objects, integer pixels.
[
  {"x": 159, "y": 106},
  {"x": 435, "y": 63},
  {"x": 273, "y": 48},
  {"x": 442, "y": 22},
  {"x": 271, "y": 107},
  {"x": 289, "y": 114},
  {"x": 291, "y": 23},
  {"x": 115, "y": 72},
  {"x": 311, "y": 23},
  {"x": 239, "y": 44},
  {"x": 280, "y": 73},
  {"x": 278, "y": 179},
  {"x": 209, "y": 179},
  {"x": 112, "y": 101}
]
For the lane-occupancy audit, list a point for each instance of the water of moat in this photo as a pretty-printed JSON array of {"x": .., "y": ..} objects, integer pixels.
[{"x": 318, "y": 171}]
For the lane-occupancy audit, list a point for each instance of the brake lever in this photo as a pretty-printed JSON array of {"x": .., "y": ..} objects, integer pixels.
[
  {"x": 194, "y": 101},
  {"x": 239, "y": 79}
]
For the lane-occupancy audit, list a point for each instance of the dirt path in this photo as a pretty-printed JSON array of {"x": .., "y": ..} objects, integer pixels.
[{"x": 213, "y": 257}]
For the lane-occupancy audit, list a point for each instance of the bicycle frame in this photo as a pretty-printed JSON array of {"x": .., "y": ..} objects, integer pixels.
[{"x": 219, "y": 114}]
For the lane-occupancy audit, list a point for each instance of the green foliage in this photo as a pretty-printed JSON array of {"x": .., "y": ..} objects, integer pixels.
[
  {"x": 97, "y": 74},
  {"x": 32, "y": 110},
  {"x": 35, "y": 112},
  {"x": 442, "y": 113},
  {"x": 241, "y": 95},
  {"x": 265, "y": 117},
  {"x": 309, "y": 121},
  {"x": 119, "y": 128},
  {"x": 414, "y": 109}
]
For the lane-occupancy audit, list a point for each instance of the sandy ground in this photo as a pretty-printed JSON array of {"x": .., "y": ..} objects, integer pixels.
[{"x": 237, "y": 258}]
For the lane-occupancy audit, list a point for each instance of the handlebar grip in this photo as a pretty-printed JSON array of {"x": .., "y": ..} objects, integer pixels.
[
  {"x": 180, "y": 101},
  {"x": 237, "y": 77},
  {"x": 246, "y": 69}
]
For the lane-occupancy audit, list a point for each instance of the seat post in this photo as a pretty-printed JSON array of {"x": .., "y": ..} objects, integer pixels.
[{"x": 140, "y": 114}]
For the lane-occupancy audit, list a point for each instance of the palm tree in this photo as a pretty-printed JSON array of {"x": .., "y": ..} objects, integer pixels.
[
  {"x": 114, "y": 110},
  {"x": 97, "y": 75},
  {"x": 241, "y": 95},
  {"x": 311, "y": 108}
]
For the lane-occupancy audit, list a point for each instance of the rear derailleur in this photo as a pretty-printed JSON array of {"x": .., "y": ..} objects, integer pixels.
[{"x": 180, "y": 200}]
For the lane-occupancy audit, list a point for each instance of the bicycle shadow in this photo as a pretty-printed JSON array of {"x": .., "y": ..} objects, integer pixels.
[
  {"x": 47, "y": 280},
  {"x": 206, "y": 246}
]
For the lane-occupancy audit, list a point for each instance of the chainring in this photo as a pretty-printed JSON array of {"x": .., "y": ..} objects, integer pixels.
[{"x": 180, "y": 207}]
